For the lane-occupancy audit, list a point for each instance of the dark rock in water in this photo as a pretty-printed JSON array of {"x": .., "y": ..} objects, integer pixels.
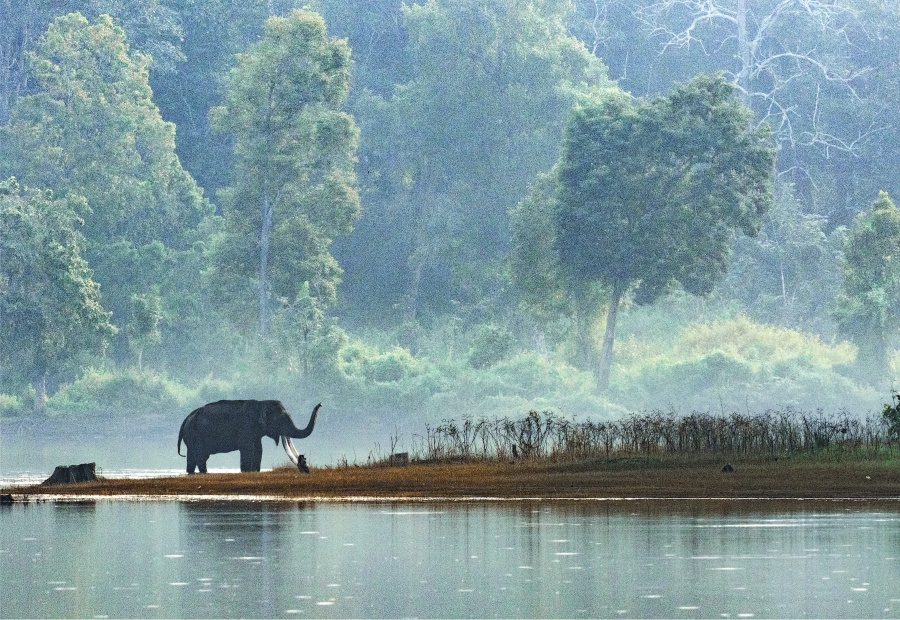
[
  {"x": 69, "y": 474},
  {"x": 6, "y": 499},
  {"x": 728, "y": 468}
]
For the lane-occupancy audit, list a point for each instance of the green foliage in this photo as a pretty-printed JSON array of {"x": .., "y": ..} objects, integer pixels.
[
  {"x": 789, "y": 274},
  {"x": 92, "y": 131},
  {"x": 736, "y": 364},
  {"x": 143, "y": 328},
  {"x": 868, "y": 306},
  {"x": 650, "y": 191},
  {"x": 304, "y": 339},
  {"x": 891, "y": 416},
  {"x": 50, "y": 305},
  {"x": 293, "y": 188},
  {"x": 385, "y": 381},
  {"x": 454, "y": 146},
  {"x": 12, "y": 405},
  {"x": 534, "y": 266},
  {"x": 130, "y": 392},
  {"x": 490, "y": 345}
]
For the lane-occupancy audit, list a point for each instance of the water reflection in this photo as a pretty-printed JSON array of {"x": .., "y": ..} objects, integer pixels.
[{"x": 522, "y": 559}]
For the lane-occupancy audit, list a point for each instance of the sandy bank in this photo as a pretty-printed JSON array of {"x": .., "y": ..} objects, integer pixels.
[{"x": 775, "y": 479}]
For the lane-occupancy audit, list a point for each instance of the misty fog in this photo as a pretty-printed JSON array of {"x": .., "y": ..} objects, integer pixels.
[{"x": 441, "y": 210}]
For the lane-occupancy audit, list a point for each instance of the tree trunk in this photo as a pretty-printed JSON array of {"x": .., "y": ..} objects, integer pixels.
[
  {"x": 264, "y": 233},
  {"x": 40, "y": 394},
  {"x": 411, "y": 302},
  {"x": 606, "y": 353},
  {"x": 584, "y": 323},
  {"x": 743, "y": 77}
]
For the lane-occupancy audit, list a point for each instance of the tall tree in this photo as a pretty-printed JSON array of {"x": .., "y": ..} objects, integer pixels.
[
  {"x": 452, "y": 148},
  {"x": 868, "y": 309},
  {"x": 93, "y": 131},
  {"x": 49, "y": 305},
  {"x": 766, "y": 46},
  {"x": 153, "y": 27},
  {"x": 789, "y": 274},
  {"x": 650, "y": 191},
  {"x": 294, "y": 184},
  {"x": 822, "y": 73}
]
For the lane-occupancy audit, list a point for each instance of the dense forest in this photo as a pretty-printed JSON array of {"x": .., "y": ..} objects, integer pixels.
[{"x": 449, "y": 208}]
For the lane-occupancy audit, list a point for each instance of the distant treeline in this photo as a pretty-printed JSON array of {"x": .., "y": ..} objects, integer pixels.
[{"x": 419, "y": 208}]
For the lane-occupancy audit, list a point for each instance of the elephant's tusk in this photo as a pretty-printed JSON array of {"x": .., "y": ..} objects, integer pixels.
[
  {"x": 290, "y": 449},
  {"x": 298, "y": 459}
]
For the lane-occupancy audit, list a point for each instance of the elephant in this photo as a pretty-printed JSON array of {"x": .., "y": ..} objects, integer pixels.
[{"x": 228, "y": 425}]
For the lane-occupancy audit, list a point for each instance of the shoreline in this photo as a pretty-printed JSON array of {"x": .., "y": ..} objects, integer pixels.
[{"x": 806, "y": 480}]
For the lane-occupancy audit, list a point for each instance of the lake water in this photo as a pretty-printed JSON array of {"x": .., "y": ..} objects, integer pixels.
[{"x": 620, "y": 559}]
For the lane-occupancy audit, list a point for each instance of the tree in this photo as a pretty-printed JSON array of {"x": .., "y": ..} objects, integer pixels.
[
  {"x": 868, "y": 305},
  {"x": 452, "y": 148},
  {"x": 822, "y": 73},
  {"x": 294, "y": 184},
  {"x": 92, "y": 130},
  {"x": 536, "y": 273},
  {"x": 143, "y": 328},
  {"x": 650, "y": 191},
  {"x": 49, "y": 305},
  {"x": 790, "y": 272},
  {"x": 765, "y": 47},
  {"x": 152, "y": 27}
]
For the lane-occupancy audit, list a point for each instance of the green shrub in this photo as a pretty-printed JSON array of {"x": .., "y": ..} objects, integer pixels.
[
  {"x": 490, "y": 345},
  {"x": 390, "y": 379},
  {"x": 120, "y": 393},
  {"x": 12, "y": 406},
  {"x": 737, "y": 364}
]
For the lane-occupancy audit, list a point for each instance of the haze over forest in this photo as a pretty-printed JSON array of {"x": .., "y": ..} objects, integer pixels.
[{"x": 451, "y": 208}]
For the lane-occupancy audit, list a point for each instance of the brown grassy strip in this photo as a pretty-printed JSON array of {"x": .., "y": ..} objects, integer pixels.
[{"x": 763, "y": 479}]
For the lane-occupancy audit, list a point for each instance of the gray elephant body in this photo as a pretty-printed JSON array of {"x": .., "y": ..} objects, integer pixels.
[{"x": 229, "y": 425}]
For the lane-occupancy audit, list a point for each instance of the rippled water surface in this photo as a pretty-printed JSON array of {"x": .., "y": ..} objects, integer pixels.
[{"x": 506, "y": 559}]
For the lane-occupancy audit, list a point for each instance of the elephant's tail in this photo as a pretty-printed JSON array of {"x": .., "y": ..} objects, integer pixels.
[{"x": 181, "y": 434}]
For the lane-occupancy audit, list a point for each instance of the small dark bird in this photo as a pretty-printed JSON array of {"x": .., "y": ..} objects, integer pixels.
[{"x": 728, "y": 468}]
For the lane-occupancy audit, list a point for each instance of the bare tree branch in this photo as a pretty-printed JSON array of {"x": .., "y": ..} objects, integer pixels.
[{"x": 770, "y": 53}]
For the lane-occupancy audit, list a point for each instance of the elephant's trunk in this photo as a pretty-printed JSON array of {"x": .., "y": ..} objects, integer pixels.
[
  {"x": 297, "y": 458},
  {"x": 298, "y": 433}
]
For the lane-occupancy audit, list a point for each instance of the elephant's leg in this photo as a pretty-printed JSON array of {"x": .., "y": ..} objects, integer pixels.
[
  {"x": 251, "y": 456},
  {"x": 191, "y": 461},
  {"x": 196, "y": 460}
]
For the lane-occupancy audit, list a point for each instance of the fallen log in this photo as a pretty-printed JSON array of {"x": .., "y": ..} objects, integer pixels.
[{"x": 70, "y": 474}]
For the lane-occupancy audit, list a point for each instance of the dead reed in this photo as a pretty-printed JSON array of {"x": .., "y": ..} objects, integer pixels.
[{"x": 548, "y": 436}]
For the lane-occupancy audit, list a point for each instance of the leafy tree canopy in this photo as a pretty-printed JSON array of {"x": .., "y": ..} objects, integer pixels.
[
  {"x": 868, "y": 305},
  {"x": 49, "y": 304},
  {"x": 93, "y": 131},
  {"x": 650, "y": 191},
  {"x": 294, "y": 184},
  {"x": 452, "y": 148}
]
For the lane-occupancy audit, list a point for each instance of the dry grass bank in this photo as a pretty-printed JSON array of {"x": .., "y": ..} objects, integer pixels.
[{"x": 629, "y": 478}]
